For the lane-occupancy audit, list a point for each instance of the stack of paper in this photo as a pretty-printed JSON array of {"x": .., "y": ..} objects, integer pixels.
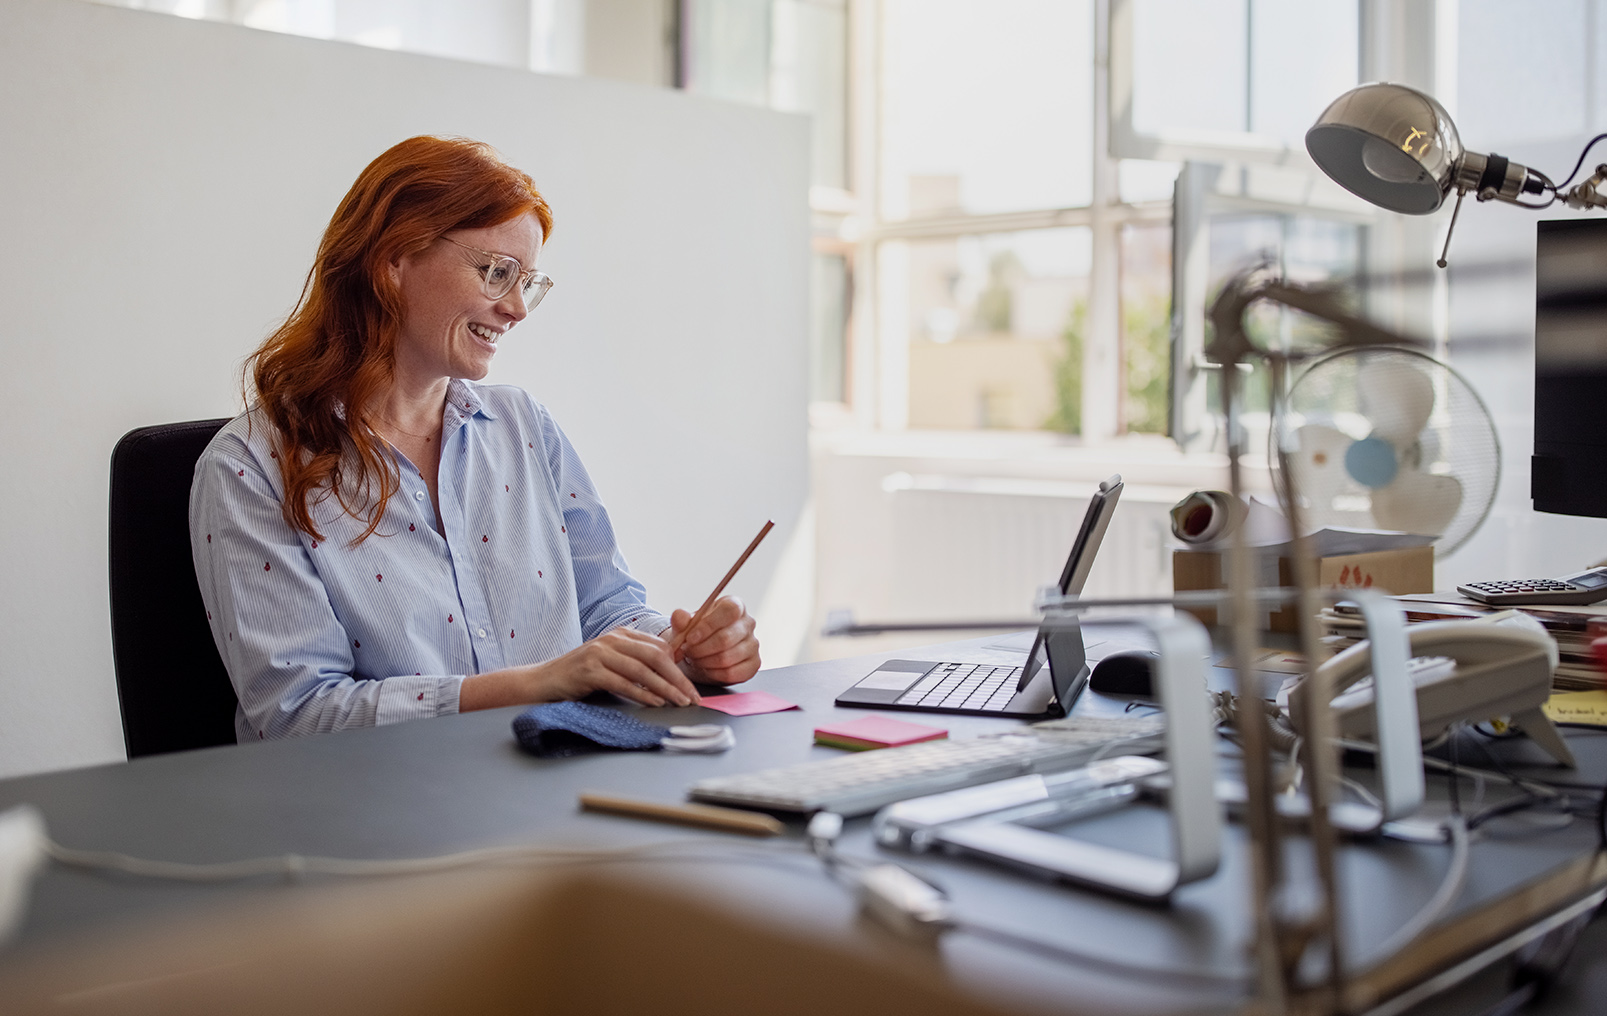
[
  {"x": 1267, "y": 531},
  {"x": 1577, "y": 671}
]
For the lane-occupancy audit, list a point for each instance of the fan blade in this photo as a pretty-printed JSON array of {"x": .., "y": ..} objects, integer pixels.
[
  {"x": 1317, "y": 462},
  {"x": 1397, "y": 397},
  {"x": 1418, "y": 503}
]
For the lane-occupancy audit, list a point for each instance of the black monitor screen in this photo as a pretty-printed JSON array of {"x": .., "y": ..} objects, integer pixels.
[{"x": 1568, "y": 474}]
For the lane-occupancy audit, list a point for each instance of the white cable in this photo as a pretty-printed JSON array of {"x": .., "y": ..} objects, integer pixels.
[
  {"x": 297, "y": 864},
  {"x": 1534, "y": 787},
  {"x": 1367, "y": 796},
  {"x": 1450, "y": 888}
]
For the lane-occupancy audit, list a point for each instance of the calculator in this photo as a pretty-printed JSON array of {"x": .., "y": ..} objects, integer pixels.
[{"x": 1584, "y": 587}]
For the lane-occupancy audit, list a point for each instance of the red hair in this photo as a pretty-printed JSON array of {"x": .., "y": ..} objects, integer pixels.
[{"x": 319, "y": 372}]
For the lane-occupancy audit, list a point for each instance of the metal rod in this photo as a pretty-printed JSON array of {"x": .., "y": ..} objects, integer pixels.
[
  {"x": 1455, "y": 211},
  {"x": 851, "y": 628},
  {"x": 1284, "y": 936},
  {"x": 1187, "y": 598},
  {"x": 1322, "y": 757},
  {"x": 1266, "y": 849},
  {"x": 843, "y": 623}
]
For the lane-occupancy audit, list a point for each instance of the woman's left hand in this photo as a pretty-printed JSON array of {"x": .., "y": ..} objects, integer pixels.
[{"x": 721, "y": 649}]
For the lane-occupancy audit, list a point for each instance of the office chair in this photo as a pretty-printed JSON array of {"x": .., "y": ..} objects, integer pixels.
[{"x": 171, "y": 684}]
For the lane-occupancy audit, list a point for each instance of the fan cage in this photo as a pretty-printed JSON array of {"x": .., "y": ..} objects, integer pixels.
[{"x": 1459, "y": 439}]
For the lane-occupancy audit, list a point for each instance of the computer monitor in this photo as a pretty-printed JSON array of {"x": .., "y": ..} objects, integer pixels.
[{"x": 1568, "y": 474}]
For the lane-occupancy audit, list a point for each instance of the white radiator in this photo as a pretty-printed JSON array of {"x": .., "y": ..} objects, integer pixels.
[{"x": 982, "y": 547}]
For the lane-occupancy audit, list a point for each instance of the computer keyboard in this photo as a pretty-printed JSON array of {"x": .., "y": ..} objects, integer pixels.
[
  {"x": 964, "y": 686},
  {"x": 863, "y": 782}
]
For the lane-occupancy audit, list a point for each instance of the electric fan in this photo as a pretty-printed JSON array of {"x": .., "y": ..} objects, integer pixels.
[{"x": 1388, "y": 438}]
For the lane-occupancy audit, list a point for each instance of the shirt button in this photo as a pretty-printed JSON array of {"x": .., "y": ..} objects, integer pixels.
[
  {"x": 480, "y": 632},
  {"x": 418, "y": 495}
]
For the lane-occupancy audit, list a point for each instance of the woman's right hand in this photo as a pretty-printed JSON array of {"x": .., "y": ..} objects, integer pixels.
[{"x": 632, "y": 664}]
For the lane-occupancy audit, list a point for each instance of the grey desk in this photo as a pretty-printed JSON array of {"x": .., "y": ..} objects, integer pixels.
[{"x": 448, "y": 784}]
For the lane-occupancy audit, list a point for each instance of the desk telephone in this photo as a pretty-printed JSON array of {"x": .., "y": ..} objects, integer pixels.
[{"x": 1462, "y": 670}]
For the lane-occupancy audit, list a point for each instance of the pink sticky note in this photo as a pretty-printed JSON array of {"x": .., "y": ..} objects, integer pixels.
[
  {"x": 877, "y": 732},
  {"x": 747, "y": 703}
]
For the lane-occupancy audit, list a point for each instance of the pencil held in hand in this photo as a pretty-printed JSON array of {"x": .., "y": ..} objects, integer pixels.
[{"x": 680, "y": 636}]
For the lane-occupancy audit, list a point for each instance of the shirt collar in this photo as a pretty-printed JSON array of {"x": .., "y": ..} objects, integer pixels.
[{"x": 464, "y": 397}]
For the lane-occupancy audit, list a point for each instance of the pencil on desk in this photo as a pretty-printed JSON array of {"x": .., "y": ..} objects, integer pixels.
[
  {"x": 707, "y": 816},
  {"x": 680, "y": 636}
]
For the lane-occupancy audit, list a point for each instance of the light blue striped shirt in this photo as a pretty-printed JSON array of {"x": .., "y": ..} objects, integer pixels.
[{"x": 320, "y": 635}]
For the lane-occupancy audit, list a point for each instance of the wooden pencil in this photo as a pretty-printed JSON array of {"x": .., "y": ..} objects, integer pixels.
[
  {"x": 680, "y": 636},
  {"x": 705, "y": 815}
]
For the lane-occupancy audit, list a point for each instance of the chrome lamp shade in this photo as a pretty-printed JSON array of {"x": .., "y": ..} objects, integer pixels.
[{"x": 1390, "y": 145}]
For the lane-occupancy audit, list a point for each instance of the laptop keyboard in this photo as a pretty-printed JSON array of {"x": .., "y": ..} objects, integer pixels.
[{"x": 964, "y": 686}]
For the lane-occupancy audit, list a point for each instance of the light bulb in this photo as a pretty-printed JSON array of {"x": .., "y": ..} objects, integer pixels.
[{"x": 1389, "y": 163}]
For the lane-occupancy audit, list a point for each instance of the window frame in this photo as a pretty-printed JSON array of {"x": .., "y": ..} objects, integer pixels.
[
  {"x": 1273, "y": 179},
  {"x": 1127, "y": 142},
  {"x": 1198, "y": 197},
  {"x": 883, "y": 385}
]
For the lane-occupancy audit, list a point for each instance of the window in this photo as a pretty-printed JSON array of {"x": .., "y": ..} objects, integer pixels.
[
  {"x": 992, "y": 326},
  {"x": 1146, "y": 333},
  {"x": 996, "y": 222},
  {"x": 989, "y": 153},
  {"x": 984, "y": 107},
  {"x": 1302, "y": 249},
  {"x": 1257, "y": 73},
  {"x": 1228, "y": 222},
  {"x": 1247, "y": 193}
]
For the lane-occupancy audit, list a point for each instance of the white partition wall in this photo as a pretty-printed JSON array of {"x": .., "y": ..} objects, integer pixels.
[{"x": 163, "y": 184}]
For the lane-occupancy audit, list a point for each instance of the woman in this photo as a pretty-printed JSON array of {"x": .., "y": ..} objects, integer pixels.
[{"x": 377, "y": 538}]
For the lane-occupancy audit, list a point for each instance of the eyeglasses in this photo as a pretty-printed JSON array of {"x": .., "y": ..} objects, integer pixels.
[{"x": 500, "y": 272}]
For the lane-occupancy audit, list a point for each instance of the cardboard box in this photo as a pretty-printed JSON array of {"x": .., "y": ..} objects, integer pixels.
[{"x": 1407, "y": 570}]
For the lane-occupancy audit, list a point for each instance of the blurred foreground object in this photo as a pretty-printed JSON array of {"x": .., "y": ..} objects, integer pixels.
[{"x": 503, "y": 941}]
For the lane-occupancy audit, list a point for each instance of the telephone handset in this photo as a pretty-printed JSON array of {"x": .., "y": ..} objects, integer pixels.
[{"x": 1496, "y": 670}]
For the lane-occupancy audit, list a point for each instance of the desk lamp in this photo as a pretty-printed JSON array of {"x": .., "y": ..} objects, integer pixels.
[{"x": 1397, "y": 148}]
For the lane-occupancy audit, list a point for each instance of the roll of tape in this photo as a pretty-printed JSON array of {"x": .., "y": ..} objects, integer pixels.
[{"x": 1206, "y": 516}]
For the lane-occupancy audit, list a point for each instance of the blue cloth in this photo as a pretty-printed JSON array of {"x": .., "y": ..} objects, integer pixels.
[
  {"x": 321, "y": 635},
  {"x": 561, "y": 729}
]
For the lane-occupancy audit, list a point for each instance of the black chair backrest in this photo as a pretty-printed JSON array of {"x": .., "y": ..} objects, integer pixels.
[{"x": 171, "y": 683}]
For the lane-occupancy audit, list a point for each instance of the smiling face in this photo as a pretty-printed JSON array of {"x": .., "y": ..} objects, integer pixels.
[{"x": 449, "y": 327}]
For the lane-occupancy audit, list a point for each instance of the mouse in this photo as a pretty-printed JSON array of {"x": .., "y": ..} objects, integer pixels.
[{"x": 1125, "y": 672}]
